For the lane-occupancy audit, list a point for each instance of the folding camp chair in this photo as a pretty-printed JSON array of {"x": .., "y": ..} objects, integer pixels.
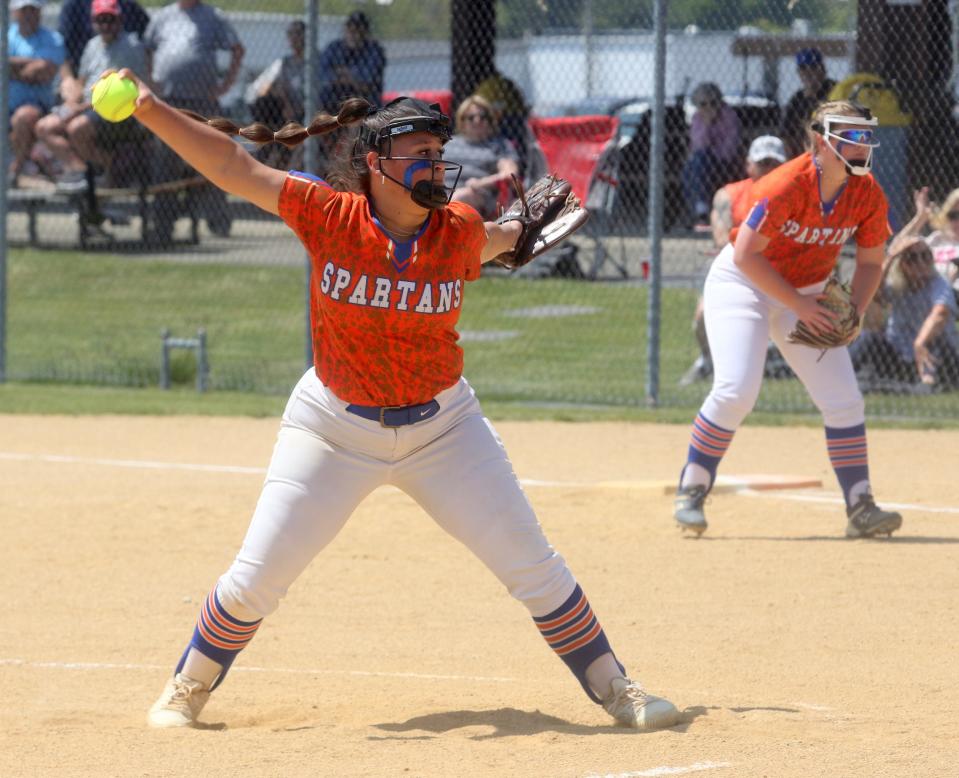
[{"x": 585, "y": 151}]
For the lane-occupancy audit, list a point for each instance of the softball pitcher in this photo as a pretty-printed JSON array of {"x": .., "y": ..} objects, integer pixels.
[
  {"x": 385, "y": 402},
  {"x": 769, "y": 277}
]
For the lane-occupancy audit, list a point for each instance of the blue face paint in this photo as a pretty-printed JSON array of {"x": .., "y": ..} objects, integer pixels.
[{"x": 415, "y": 167}]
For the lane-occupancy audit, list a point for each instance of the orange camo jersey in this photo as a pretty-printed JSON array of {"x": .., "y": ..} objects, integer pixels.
[
  {"x": 740, "y": 199},
  {"x": 805, "y": 234},
  {"x": 383, "y": 313}
]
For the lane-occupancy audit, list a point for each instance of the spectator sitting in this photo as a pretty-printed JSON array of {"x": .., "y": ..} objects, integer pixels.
[
  {"x": 714, "y": 138},
  {"x": 182, "y": 42},
  {"x": 815, "y": 89},
  {"x": 919, "y": 342},
  {"x": 75, "y": 134},
  {"x": 276, "y": 96},
  {"x": 352, "y": 66},
  {"x": 731, "y": 206},
  {"x": 944, "y": 240},
  {"x": 76, "y": 27},
  {"x": 509, "y": 105},
  {"x": 486, "y": 158},
  {"x": 34, "y": 55}
]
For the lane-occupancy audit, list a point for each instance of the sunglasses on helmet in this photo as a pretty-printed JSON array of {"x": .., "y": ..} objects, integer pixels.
[{"x": 863, "y": 137}]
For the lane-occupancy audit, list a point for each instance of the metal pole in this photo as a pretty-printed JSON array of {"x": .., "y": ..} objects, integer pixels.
[
  {"x": 5, "y": 164},
  {"x": 656, "y": 169},
  {"x": 588, "y": 41},
  {"x": 310, "y": 155},
  {"x": 165, "y": 359},
  {"x": 202, "y": 362}
]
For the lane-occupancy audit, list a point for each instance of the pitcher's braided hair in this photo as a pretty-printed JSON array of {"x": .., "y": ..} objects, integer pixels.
[{"x": 348, "y": 170}]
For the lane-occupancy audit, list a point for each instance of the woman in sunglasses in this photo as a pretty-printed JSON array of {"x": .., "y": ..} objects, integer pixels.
[
  {"x": 919, "y": 342},
  {"x": 487, "y": 159},
  {"x": 771, "y": 275}
]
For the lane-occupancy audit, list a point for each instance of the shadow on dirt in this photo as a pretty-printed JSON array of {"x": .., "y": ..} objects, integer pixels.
[{"x": 510, "y": 722}]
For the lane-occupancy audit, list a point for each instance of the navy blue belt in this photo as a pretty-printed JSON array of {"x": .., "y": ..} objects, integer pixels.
[{"x": 396, "y": 415}]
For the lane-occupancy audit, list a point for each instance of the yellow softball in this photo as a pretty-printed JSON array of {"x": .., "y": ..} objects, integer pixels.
[{"x": 114, "y": 98}]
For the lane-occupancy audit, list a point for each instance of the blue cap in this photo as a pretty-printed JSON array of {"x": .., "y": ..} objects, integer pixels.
[{"x": 808, "y": 57}]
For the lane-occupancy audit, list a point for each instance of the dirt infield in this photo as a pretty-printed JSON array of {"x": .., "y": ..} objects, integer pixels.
[{"x": 792, "y": 651}]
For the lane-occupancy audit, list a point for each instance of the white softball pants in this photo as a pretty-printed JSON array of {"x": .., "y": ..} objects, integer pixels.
[
  {"x": 454, "y": 465},
  {"x": 740, "y": 319}
]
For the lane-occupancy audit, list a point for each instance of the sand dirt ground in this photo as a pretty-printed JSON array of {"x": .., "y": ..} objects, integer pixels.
[{"x": 791, "y": 651}]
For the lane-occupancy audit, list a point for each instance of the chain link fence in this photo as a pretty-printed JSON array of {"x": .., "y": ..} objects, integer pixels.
[{"x": 113, "y": 241}]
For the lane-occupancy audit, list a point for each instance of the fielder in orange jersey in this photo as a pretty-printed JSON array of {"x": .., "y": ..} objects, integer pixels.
[
  {"x": 769, "y": 277},
  {"x": 385, "y": 402}
]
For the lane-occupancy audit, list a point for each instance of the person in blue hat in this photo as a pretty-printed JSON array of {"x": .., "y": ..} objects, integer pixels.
[{"x": 815, "y": 89}]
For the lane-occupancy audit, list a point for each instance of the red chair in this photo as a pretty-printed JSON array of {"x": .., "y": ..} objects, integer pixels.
[
  {"x": 442, "y": 96},
  {"x": 585, "y": 151}
]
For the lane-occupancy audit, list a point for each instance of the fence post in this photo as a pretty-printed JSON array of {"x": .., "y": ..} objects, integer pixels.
[
  {"x": 165, "y": 359},
  {"x": 310, "y": 155},
  {"x": 4, "y": 164},
  {"x": 656, "y": 170},
  {"x": 202, "y": 363}
]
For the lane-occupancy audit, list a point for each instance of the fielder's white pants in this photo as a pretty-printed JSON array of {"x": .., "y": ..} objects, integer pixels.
[
  {"x": 740, "y": 319},
  {"x": 326, "y": 460}
]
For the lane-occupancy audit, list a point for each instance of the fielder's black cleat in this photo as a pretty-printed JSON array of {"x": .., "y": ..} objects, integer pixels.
[{"x": 866, "y": 519}]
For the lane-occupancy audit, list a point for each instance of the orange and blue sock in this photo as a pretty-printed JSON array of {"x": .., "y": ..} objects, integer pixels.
[
  {"x": 849, "y": 458},
  {"x": 219, "y": 636},
  {"x": 575, "y": 634},
  {"x": 707, "y": 446}
]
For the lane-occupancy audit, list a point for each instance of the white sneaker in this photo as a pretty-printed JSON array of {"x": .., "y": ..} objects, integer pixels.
[
  {"x": 633, "y": 707},
  {"x": 180, "y": 704}
]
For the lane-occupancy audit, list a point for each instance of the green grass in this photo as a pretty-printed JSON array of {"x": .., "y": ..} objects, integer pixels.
[
  {"x": 72, "y": 400},
  {"x": 84, "y": 329},
  {"x": 97, "y": 319}
]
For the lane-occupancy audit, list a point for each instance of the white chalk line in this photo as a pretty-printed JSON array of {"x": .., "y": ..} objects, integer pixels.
[
  {"x": 143, "y": 464},
  {"x": 140, "y": 464},
  {"x": 698, "y": 767},
  {"x": 11, "y": 662},
  {"x": 810, "y": 706},
  {"x": 838, "y": 500}
]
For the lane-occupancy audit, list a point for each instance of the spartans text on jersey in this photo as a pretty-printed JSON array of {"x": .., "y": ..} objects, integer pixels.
[
  {"x": 835, "y": 236},
  {"x": 378, "y": 292}
]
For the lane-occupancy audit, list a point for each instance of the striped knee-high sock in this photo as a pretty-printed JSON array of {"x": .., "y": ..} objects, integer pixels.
[
  {"x": 849, "y": 458},
  {"x": 707, "y": 445},
  {"x": 575, "y": 634},
  {"x": 219, "y": 636}
]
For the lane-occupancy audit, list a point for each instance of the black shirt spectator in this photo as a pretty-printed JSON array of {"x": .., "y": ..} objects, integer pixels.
[
  {"x": 352, "y": 66},
  {"x": 815, "y": 89}
]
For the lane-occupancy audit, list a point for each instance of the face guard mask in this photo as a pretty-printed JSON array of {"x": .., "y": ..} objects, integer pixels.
[
  {"x": 864, "y": 140},
  {"x": 425, "y": 193}
]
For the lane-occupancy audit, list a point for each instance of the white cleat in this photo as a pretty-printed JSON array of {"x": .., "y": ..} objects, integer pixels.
[
  {"x": 688, "y": 509},
  {"x": 633, "y": 707},
  {"x": 180, "y": 704}
]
